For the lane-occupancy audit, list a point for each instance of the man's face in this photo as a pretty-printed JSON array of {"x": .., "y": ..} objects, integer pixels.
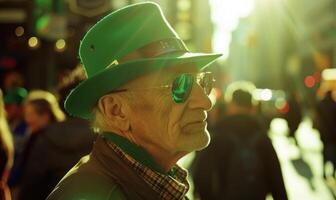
[
  {"x": 14, "y": 112},
  {"x": 35, "y": 120},
  {"x": 157, "y": 121}
]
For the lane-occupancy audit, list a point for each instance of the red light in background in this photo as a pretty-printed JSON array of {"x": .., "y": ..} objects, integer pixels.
[
  {"x": 7, "y": 63},
  {"x": 284, "y": 108},
  {"x": 218, "y": 93},
  {"x": 309, "y": 81}
]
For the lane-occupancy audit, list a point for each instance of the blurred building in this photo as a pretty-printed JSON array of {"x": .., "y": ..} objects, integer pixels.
[{"x": 284, "y": 44}]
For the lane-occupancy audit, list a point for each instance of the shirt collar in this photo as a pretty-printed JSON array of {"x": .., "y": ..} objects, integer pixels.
[
  {"x": 137, "y": 152},
  {"x": 168, "y": 186}
]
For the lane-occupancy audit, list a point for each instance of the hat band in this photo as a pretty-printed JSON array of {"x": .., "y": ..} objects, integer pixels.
[{"x": 154, "y": 49}]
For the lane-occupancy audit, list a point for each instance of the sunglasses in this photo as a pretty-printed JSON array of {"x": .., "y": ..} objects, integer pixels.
[{"x": 182, "y": 85}]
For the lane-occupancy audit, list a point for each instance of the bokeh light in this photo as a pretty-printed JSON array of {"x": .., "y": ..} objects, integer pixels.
[
  {"x": 19, "y": 31},
  {"x": 33, "y": 42},
  {"x": 60, "y": 45},
  {"x": 266, "y": 95},
  {"x": 309, "y": 81}
]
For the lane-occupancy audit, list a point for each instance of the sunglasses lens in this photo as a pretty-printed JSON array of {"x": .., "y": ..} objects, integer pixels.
[{"x": 181, "y": 88}]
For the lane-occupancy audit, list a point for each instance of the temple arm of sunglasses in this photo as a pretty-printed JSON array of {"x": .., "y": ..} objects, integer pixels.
[{"x": 134, "y": 89}]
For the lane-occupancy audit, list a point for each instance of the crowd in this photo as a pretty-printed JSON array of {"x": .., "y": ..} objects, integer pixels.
[{"x": 40, "y": 143}]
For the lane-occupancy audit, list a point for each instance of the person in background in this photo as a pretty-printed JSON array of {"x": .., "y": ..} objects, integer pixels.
[
  {"x": 13, "y": 104},
  {"x": 63, "y": 144},
  {"x": 40, "y": 110},
  {"x": 6, "y": 152},
  {"x": 14, "y": 109},
  {"x": 326, "y": 117},
  {"x": 240, "y": 163},
  {"x": 294, "y": 114}
]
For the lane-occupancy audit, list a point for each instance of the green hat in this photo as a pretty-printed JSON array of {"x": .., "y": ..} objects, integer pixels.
[
  {"x": 15, "y": 96},
  {"x": 124, "y": 45}
]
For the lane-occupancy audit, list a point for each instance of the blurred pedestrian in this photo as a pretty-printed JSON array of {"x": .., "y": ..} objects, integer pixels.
[
  {"x": 294, "y": 114},
  {"x": 6, "y": 152},
  {"x": 63, "y": 143},
  {"x": 326, "y": 117},
  {"x": 240, "y": 162},
  {"x": 40, "y": 110},
  {"x": 147, "y": 97},
  {"x": 18, "y": 127}
]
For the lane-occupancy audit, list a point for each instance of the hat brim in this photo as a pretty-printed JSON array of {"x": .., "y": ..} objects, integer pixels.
[{"x": 83, "y": 98}]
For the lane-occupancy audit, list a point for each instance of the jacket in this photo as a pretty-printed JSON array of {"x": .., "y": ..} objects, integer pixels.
[
  {"x": 102, "y": 175},
  {"x": 52, "y": 155}
]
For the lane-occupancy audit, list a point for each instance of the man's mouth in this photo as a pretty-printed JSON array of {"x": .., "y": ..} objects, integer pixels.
[{"x": 198, "y": 122}]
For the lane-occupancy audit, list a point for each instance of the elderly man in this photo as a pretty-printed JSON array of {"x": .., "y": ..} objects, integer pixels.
[{"x": 147, "y": 96}]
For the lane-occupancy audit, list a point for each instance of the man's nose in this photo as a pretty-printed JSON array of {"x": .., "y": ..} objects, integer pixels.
[{"x": 199, "y": 99}]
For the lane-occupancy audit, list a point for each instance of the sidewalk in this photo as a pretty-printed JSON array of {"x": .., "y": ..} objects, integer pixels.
[{"x": 301, "y": 167}]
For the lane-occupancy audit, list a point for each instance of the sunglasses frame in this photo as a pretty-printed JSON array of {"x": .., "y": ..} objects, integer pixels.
[{"x": 199, "y": 77}]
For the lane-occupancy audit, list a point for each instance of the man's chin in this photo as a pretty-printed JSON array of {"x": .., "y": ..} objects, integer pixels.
[
  {"x": 204, "y": 143},
  {"x": 197, "y": 141}
]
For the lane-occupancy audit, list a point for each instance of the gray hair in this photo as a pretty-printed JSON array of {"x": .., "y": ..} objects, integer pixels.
[{"x": 98, "y": 123}]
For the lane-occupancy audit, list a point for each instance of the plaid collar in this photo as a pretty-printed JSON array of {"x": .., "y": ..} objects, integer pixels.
[{"x": 171, "y": 185}]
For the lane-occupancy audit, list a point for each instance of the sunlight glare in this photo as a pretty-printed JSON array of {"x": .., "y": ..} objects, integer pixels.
[{"x": 225, "y": 15}]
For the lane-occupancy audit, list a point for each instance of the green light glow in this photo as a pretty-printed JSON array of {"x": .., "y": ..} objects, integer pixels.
[{"x": 42, "y": 23}]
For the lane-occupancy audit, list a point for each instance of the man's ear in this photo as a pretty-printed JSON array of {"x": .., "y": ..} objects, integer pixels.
[{"x": 114, "y": 111}]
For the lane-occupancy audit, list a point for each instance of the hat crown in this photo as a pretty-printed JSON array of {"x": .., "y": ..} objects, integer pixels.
[
  {"x": 121, "y": 33},
  {"x": 124, "y": 45}
]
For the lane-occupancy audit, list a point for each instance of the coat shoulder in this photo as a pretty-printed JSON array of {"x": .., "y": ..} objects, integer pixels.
[{"x": 86, "y": 185}]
